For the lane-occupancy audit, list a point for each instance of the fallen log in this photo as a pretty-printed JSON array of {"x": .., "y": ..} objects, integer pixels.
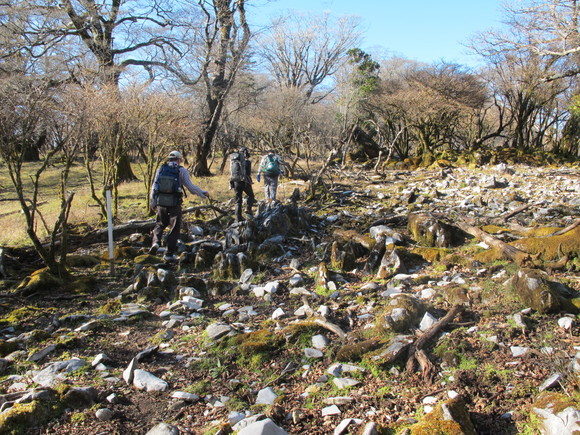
[
  {"x": 418, "y": 355},
  {"x": 509, "y": 251},
  {"x": 565, "y": 230}
]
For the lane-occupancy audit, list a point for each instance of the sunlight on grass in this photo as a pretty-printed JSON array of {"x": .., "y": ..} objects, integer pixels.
[{"x": 133, "y": 200}]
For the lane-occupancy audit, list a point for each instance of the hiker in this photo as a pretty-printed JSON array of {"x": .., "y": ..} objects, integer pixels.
[
  {"x": 241, "y": 181},
  {"x": 166, "y": 198},
  {"x": 271, "y": 167}
]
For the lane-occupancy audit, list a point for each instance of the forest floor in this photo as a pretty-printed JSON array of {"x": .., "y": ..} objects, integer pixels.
[{"x": 473, "y": 354}]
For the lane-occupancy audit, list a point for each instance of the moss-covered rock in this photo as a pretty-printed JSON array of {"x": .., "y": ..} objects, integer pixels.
[
  {"x": 146, "y": 259},
  {"x": 430, "y": 254},
  {"x": 23, "y": 416},
  {"x": 354, "y": 352},
  {"x": 431, "y": 232},
  {"x": 551, "y": 248},
  {"x": 557, "y": 413},
  {"x": 40, "y": 281},
  {"x": 352, "y": 236},
  {"x": 448, "y": 418},
  {"x": 403, "y": 312},
  {"x": 536, "y": 291},
  {"x": 455, "y": 294},
  {"x": 261, "y": 341},
  {"x": 120, "y": 253}
]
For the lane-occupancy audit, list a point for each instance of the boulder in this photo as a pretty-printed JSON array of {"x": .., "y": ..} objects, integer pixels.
[
  {"x": 430, "y": 231},
  {"x": 557, "y": 413},
  {"x": 536, "y": 291}
]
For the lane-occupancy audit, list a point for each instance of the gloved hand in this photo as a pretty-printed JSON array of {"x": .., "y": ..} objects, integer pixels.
[{"x": 258, "y": 177}]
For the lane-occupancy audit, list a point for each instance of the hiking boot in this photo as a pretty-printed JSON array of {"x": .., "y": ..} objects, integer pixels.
[
  {"x": 153, "y": 249},
  {"x": 170, "y": 257}
]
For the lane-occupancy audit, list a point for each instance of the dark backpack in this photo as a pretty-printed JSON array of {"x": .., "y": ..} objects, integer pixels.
[
  {"x": 167, "y": 186},
  {"x": 237, "y": 167},
  {"x": 272, "y": 166}
]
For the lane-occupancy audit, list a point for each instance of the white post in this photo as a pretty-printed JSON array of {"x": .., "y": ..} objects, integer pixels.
[{"x": 110, "y": 225}]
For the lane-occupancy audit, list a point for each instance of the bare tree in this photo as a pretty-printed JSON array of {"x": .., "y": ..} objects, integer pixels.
[
  {"x": 302, "y": 51},
  {"x": 30, "y": 112}
]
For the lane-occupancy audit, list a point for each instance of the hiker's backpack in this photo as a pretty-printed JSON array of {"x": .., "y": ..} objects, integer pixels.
[
  {"x": 272, "y": 166},
  {"x": 167, "y": 186},
  {"x": 237, "y": 166}
]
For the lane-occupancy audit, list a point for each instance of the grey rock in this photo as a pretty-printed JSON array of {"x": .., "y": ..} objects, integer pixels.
[
  {"x": 320, "y": 342},
  {"x": 266, "y": 396},
  {"x": 104, "y": 414},
  {"x": 519, "y": 350},
  {"x": 129, "y": 372},
  {"x": 345, "y": 382},
  {"x": 163, "y": 429},
  {"x": 182, "y": 395},
  {"x": 565, "y": 421},
  {"x": 338, "y": 400},
  {"x": 263, "y": 427},
  {"x": 551, "y": 382},
  {"x": 189, "y": 291},
  {"x": 313, "y": 353},
  {"x": 216, "y": 331},
  {"x": 100, "y": 359},
  {"x": 37, "y": 356},
  {"x": 330, "y": 410},
  {"x": 55, "y": 372},
  {"x": 144, "y": 380},
  {"x": 296, "y": 280},
  {"x": 370, "y": 429},
  {"x": 427, "y": 322}
]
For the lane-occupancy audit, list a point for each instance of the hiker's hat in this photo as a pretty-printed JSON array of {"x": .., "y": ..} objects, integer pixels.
[{"x": 175, "y": 155}]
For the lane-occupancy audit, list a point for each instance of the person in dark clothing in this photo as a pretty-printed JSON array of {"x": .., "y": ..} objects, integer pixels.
[
  {"x": 242, "y": 183},
  {"x": 168, "y": 209}
]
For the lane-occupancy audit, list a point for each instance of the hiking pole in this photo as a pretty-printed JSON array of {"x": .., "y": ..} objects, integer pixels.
[{"x": 212, "y": 207}]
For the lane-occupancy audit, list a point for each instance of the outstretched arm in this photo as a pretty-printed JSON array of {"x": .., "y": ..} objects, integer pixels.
[{"x": 186, "y": 181}]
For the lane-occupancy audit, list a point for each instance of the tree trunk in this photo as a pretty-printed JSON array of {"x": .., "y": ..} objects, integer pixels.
[{"x": 124, "y": 170}]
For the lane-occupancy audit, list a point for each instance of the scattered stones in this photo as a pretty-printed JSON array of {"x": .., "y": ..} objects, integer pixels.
[{"x": 143, "y": 380}]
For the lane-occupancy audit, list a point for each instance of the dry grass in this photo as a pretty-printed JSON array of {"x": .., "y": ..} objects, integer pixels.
[{"x": 133, "y": 200}]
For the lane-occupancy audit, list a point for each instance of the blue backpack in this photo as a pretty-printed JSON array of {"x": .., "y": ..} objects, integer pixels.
[{"x": 167, "y": 187}]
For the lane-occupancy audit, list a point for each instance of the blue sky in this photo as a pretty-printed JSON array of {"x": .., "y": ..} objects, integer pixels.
[{"x": 421, "y": 30}]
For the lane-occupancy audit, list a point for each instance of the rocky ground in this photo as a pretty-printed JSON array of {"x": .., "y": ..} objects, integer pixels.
[{"x": 378, "y": 309}]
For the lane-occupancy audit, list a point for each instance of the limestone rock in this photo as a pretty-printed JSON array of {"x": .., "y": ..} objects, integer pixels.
[{"x": 557, "y": 413}]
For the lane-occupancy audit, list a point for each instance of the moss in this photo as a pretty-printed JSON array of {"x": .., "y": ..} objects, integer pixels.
[
  {"x": 40, "y": 280},
  {"x": 146, "y": 259},
  {"x": 455, "y": 294},
  {"x": 82, "y": 285},
  {"x": 540, "y": 231},
  {"x": 112, "y": 306},
  {"x": 551, "y": 248},
  {"x": 494, "y": 229},
  {"x": 352, "y": 236},
  {"x": 301, "y": 333},
  {"x": 21, "y": 315},
  {"x": 430, "y": 254},
  {"x": 120, "y": 253},
  {"x": 437, "y": 423},
  {"x": 7, "y": 347},
  {"x": 82, "y": 260},
  {"x": 557, "y": 402},
  {"x": 262, "y": 341},
  {"x": 22, "y": 416},
  {"x": 414, "y": 308},
  {"x": 354, "y": 352},
  {"x": 488, "y": 256}
]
